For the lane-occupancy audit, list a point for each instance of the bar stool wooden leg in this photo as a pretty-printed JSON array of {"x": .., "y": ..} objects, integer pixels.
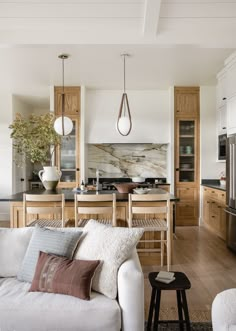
[
  {"x": 168, "y": 250},
  {"x": 151, "y": 308},
  {"x": 157, "y": 310},
  {"x": 180, "y": 312},
  {"x": 185, "y": 308},
  {"x": 162, "y": 248}
]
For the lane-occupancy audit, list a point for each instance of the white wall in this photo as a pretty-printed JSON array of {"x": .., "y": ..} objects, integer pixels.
[
  {"x": 210, "y": 168},
  {"x": 149, "y": 110},
  {"x": 5, "y": 152},
  {"x": 19, "y": 106}
]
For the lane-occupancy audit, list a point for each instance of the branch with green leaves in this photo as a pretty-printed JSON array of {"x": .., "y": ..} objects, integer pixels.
[{"x": 34, "y": 138}]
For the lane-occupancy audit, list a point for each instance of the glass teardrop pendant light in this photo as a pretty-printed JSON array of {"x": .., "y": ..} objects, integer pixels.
[
  {"x": 124, "y": 122},
  {"x": 63, "y": 125}
]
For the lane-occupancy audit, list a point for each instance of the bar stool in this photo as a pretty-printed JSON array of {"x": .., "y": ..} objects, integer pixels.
[
  {"x": 45, "y": 210},
  {"x": 146, "y": 212},
  {"x": 180, "y": 284},
  {"x": 89, "y": 206}
]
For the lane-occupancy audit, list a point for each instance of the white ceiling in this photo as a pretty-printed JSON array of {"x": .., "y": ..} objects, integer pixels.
[{"x": 172, "y": 42}]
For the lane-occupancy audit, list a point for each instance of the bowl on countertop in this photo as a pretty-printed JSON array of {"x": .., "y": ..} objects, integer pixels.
[
  {"x": 138, "y": 179},
  {"x": 141, "y": 190},
  {"x": 125, "y": 187}
]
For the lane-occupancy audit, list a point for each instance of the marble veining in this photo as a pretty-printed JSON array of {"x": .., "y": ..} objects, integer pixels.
[{"x": 127, "y": 160}]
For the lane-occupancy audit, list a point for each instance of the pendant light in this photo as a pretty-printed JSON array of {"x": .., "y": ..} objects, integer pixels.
[
  {"x": 124, "y": 122},
  {"x": 63, "y": 125}
]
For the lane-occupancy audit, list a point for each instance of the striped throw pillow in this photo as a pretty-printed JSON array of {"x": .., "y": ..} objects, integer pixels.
[{"x": 48, "y": 241}]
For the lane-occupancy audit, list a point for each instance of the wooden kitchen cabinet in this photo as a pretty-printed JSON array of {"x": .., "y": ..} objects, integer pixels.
[
  {"x": 68, "y": 157},
  {"x": 187, "y": 155},
  {"x": 72, "y": 100},
  {"x": 214, "y": 218},
  {"x": 68, "y": 153},
  {"x": 186, "y": 101}
]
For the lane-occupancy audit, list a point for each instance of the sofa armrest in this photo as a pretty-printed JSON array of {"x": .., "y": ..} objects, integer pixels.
[
  {"x": 224, "y": 311},
  {"x": 131, "y": 294}
]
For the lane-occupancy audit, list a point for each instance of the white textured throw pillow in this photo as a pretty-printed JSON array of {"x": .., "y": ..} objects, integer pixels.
[
  {"x": 111, "y": 245},
  {"x": 13, "y": 245}
]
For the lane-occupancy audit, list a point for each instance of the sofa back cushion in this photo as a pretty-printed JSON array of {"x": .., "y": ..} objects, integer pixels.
[
  {"x": 13, "y": 245},
  {"x": 46, "y": 240},
  {"x": 56, "y": 274},
  {"x": 112, "y": 246}
]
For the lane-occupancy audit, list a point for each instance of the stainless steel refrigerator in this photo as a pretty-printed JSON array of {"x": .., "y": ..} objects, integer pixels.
[{"x": 231, "y": 192}]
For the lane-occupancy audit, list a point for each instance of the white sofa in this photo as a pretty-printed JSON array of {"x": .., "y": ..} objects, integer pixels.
[
  {"x": 21, "y": 310},
  {"x": 224, "y": 311}
]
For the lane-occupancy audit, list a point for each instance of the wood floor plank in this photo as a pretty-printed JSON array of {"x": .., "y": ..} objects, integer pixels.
[{"x": 207, "y": 262}]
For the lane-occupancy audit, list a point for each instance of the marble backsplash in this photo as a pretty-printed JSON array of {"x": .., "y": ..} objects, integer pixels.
[{"x": 127, "y": 160}]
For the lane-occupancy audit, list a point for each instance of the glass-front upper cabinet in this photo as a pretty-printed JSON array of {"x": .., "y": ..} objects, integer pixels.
[
  {"x": 186, "y": 150},
  {"x": 68, "y": 159}
]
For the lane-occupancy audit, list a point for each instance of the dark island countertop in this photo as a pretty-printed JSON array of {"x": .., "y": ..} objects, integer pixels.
[
  {"x": 213, "y": 183},
  {"x": 69, "y": 194}
]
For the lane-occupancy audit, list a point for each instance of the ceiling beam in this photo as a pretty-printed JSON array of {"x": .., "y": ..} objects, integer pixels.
[{"x": 151, "y": 17}]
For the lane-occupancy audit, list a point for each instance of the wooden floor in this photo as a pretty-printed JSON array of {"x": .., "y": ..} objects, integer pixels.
[{"x": 209, "y": 265}]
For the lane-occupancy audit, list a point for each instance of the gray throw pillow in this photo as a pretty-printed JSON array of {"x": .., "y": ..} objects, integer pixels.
[{"x": 48, "y": 241}]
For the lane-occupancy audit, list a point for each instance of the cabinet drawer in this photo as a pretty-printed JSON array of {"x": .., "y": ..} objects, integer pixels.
[
  {"x": 211, "y": 192},
  {"x": 215, "y": 207},
  {"x": 187, "y": 194},
  {"x": 222, "y": 197}
]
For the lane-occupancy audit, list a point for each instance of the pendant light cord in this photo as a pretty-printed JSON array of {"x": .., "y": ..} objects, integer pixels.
[
  {"x": 124, "y": 73},
  {"x": 63, "y": 99}
]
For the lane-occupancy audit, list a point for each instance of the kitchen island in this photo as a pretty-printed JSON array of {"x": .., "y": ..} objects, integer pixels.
[{"x": 16, "y": 205}]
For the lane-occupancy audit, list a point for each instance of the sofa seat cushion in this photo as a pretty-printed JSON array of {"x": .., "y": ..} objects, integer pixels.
[{"x": 36, "y": 311}]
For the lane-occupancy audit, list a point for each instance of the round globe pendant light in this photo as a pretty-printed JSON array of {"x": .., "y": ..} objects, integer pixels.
[
  {"x": 124, "y": 122},
  {"x": 63, "y": 125}
]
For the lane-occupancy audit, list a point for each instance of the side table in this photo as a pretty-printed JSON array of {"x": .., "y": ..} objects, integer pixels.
[{"x": 180, "y": 284}]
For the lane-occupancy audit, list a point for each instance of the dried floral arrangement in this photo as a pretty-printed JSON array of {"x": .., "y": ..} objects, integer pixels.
[{"x": 34, "y": 138}]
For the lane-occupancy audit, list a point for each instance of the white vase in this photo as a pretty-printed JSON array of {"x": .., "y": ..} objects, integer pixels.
[{"x": 50, "y": 177}]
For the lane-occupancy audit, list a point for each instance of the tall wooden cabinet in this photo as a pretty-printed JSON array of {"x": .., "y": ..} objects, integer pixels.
[
  {"x": 187, "y": 154},
  {"x": 68, "y": 153}
]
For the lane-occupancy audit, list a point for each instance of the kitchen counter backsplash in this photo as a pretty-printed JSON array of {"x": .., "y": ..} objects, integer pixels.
[{"x": 127, "y": 160}]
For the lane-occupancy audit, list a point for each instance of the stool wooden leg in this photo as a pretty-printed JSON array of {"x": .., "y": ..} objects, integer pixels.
[
  {"x": 185, "y": 308},
  {"x": 151, "y": 308},
  {"x": 157, "y": 310},
  {"x": 162, "y": 248},
  {"x": 180, "y": 312}
]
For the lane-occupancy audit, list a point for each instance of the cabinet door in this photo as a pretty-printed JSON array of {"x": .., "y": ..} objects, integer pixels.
[
  {"x": 221, "y": 95},
  {"x": 231, "y": 115},
  {"x": 222, "y": 120},
  {"x": 72, "y": 100},
  {"x": 186, "y": 213},
  {"x": 206, "y": 210},
  {"x": 187, "y": 193},
  {"x": 68, "y": 157},
  {"x": 186, "y": 151},
  {"x": 231, "y": 80},
  {"x": 186, "y": 101}
]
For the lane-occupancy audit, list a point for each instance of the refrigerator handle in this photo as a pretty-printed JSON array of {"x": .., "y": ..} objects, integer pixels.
[
  {"x": 230, "y": 171},
  {"x": 234, "y": 162},
  {"x": 228, "y": 212}
]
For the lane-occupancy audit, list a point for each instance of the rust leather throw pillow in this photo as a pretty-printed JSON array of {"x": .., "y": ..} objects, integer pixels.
[{"x": 57, "y": 274}]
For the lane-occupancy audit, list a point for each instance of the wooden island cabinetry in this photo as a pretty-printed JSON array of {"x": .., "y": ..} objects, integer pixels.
[{"x": 214, "y": 218}]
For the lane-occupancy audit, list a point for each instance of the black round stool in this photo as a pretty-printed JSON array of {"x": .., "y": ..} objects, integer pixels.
[{"x": 180, "y": 284}]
